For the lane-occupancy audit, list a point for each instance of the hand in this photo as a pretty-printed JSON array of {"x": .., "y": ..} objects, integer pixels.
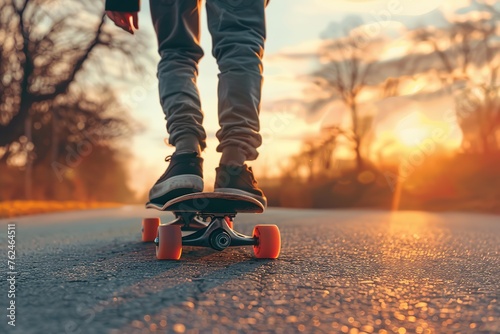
[{"x": 128, "y": 21}]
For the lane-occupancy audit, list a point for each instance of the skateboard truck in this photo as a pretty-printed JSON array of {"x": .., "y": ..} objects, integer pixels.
[{"x": 217, "y": 235}]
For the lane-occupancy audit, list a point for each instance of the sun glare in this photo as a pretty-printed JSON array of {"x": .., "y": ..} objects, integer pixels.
[
  {"x": 413, "y": 129},
  {"x": 416, "y": 128},
  {"x": 412, "y": 137}
]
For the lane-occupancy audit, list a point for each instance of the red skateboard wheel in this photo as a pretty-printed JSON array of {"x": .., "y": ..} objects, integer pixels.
[
  {"x": 150, "y": 229},
  {"x": 268, "y": 241},
  {"x": 169, "y": 245}
]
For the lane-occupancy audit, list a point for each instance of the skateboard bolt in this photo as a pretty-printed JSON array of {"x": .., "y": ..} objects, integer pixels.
[{"x": 220, "y": 240}]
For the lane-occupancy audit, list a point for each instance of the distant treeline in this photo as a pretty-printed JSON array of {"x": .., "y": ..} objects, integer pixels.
[{"x": 441, "y": 182}]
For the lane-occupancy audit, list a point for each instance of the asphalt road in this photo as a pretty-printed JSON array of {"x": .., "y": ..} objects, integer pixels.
[{"x": 339, "y": 272}]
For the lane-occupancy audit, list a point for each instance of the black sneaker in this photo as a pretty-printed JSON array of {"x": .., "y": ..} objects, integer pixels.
[
  {"x": 184, "y": 175},
  {"x": 238, "y": 180}
]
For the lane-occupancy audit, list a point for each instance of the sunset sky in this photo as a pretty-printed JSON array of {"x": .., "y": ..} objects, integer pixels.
[{"x": 295, "y": 30}]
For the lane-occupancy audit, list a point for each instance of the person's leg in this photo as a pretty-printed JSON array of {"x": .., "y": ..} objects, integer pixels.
[
  {"x": 238, "y": 32},
  {"x": 177, "y": 27}
]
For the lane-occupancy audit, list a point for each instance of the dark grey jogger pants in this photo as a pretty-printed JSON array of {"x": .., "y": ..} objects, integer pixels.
[{"x": 238, "y": 33}]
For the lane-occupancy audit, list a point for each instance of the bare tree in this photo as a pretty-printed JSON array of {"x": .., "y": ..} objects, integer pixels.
[
  {"x": 468, "y": 53},
  {"x": 315, "y": 158},
  {"x": 48, "y": 59},
  {"x": 343, "y": 75}
]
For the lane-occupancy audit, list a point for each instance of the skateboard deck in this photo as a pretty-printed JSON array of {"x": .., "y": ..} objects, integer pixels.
[{"x": 207, "y": 203}]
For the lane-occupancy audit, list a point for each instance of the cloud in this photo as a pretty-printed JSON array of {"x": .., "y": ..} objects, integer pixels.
[
  {"x": 411, "y": 13},
  {"x": 301, "y": 51},
  {"x": 378, "y": 8}
]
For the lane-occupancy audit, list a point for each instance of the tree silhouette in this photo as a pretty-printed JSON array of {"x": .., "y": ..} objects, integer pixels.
[
  {"x": 57, "y": 64},
  {"x": 470, "y": 65},
  {"x": 343, "y": 75}
]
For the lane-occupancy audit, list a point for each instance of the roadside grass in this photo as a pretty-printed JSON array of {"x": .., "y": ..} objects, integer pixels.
[{"x": 22, "y": 208}]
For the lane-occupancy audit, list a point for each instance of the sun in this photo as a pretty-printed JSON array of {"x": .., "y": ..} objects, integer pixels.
[
  {"x": 405, "y": 134},
  {"x": 413, "y": 129},
  {"x": 412, "y": 137}
]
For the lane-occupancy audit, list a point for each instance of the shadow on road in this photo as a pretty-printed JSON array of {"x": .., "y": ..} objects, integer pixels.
[{"x": 106, "y": 287}]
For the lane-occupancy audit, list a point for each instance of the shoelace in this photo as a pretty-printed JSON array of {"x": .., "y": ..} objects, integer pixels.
[{"x": 169, "y": 157}]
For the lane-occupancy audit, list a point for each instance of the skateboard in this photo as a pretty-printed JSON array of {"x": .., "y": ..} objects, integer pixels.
[{"x": 206, "y": 219}]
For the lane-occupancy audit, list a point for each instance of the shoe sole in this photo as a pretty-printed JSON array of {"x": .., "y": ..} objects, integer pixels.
[
  {"x": 242, "y": 192},
  {"x": 186, "y": 181}
]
